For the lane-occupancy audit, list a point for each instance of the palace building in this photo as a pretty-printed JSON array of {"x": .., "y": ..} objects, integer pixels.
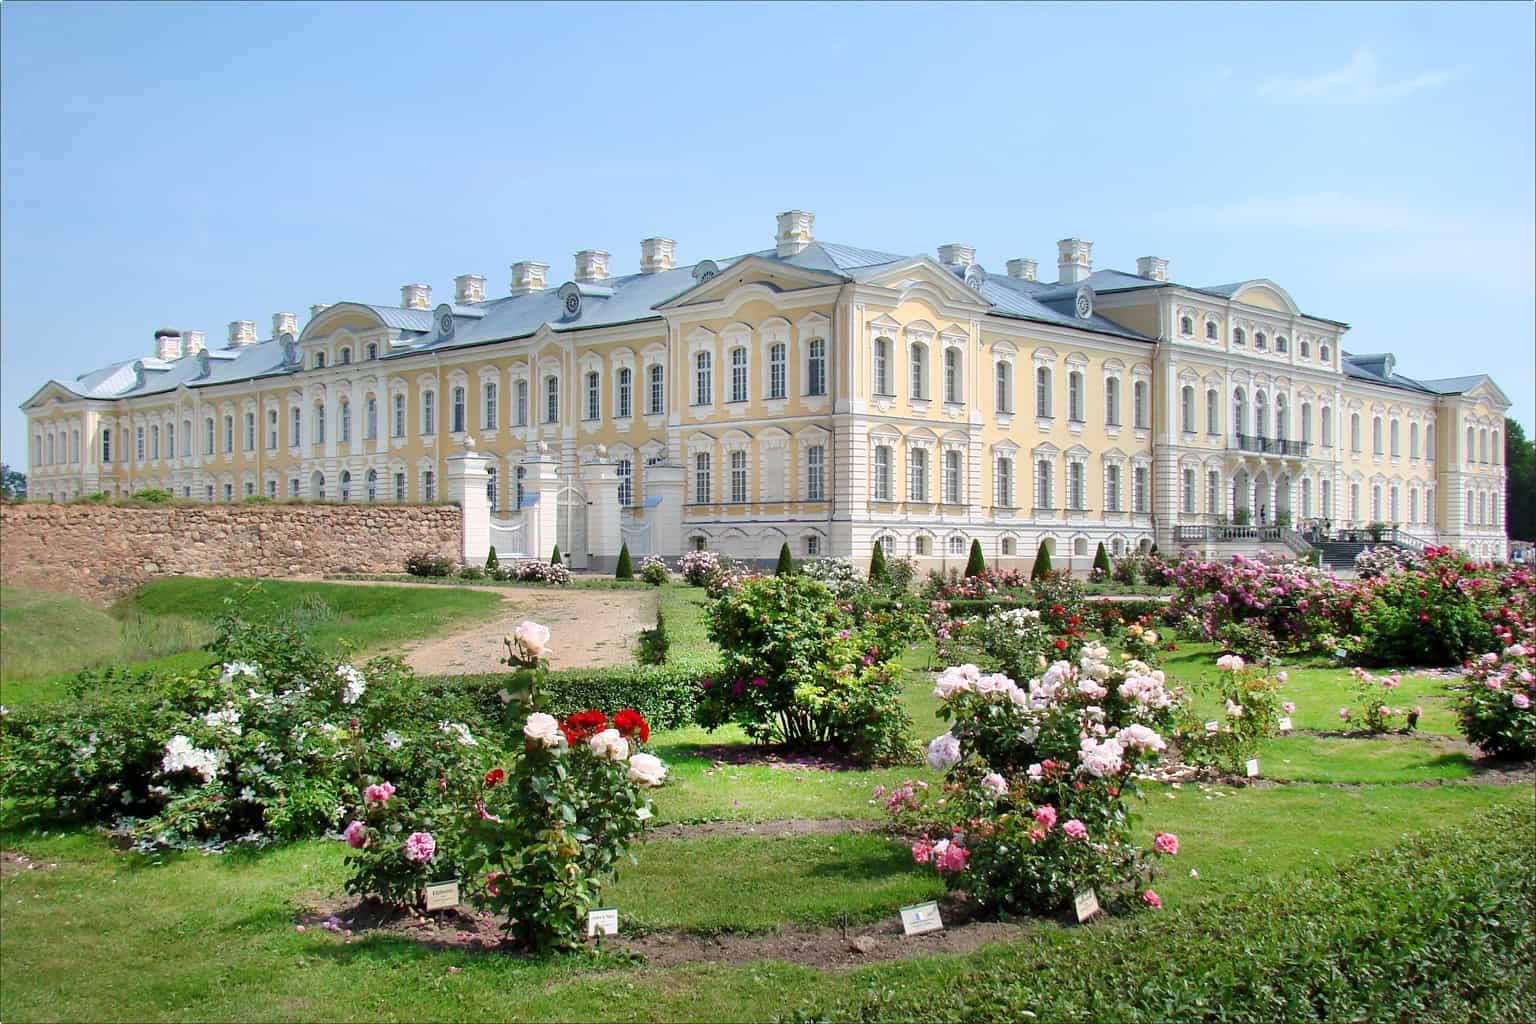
[{"x": 827, "y": 395}]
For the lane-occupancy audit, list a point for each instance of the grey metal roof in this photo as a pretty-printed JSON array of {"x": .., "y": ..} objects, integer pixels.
[
  {"x": 135, "y": 377},
  {"x": 1453, "y": 385}
]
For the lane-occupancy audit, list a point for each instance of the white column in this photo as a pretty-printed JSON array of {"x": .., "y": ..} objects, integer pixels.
[
  {"x": 600, "y": 480},
  {"x": 541, "y": 512},
  {"x": 664, "y": 481},
  {"x": 465, "y": 478}
]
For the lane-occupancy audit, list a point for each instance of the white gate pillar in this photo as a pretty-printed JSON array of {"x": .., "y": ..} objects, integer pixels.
[
  {"x": 541, "y": 503},
  {"x": 600, "y": 480},
  {"x": 664, "y": 482},
  {"x": 466, "y": 480}
]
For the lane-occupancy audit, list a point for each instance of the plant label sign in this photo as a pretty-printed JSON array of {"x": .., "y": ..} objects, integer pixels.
[
  {"x": 603, "y": 921},
  {"x": 1285, "y": 723},
  {"x": 1087, "y": 904},
  {"x": 1253, "y": 767},
  {"x": 442, "y": 895},
  {"x": 921, "y": 917},
  {"x": 1212, "y": 727}
]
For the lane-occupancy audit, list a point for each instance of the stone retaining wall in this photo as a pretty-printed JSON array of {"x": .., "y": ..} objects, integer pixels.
[{"x": 101, "y": 551}]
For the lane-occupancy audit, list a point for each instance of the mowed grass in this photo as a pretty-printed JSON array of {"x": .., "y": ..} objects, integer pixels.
[{"x": 65, "y": 636}]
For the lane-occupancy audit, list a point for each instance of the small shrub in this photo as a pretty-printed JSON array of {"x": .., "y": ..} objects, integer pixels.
[
  {"x": 1127, "y": 570},
  {"x": 492, "y": 563},
  {"x": 653, "y": 570},
  {"x": 471, "y": 572},
  {"x": 257, "y": 499},
  {"x": 899, "y": 574},
  {"x": 1101, "y": 561},
  {"x": 786, "y": 566},
  {"x": 698, "y": 566},
  {"x": 877, "y": 563},
  {"x": 624, "y": 570},
  {"x": 555, "y": 559},
  {"x": 1251, "y": 712},
  {"x": 1494, "y": 702},
  {"x": 1371, "y": 694},
  {"x": 836, "y": 574},
  {"x": 534, "y": 571},
  {"x": 153, "y": 496},
  {"x": 428, "y": 563},
  {"x": 976, "y": 564},
  {"x": 1042, "y": 562}
]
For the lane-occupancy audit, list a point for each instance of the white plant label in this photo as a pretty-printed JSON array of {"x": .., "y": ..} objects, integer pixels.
[
  {"x": 1285, "y": 723},
  {"x": 442, "y": 895},
  {"x": 1253, "y": 767},
  {"x": 1212, "y": 726},
  {"x": 603, "y": 921},
  {"x": 921, "y": 917},
  {"x": 1087, "y": 904}
]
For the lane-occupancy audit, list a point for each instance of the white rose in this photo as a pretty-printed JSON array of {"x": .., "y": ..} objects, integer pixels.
[
  {"x": 542, "y": 729},
  {"x": 532, "y": 639},
  {"x": 609, "y": 744},
  {"x": 647, "y": 770},
  {"x": 943, "y": 752}
]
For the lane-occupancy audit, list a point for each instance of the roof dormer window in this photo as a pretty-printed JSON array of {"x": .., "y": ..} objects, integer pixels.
[
  {"x": 1187, "y": 326},
  {"x": 1261, "y": 342},
  {"x": 1239, "y": 337},
  {"x": 319, "y": 360}
]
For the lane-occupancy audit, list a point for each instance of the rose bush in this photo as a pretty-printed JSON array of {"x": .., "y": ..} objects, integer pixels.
[
  {"x": 698, "y": 566},
  {"x": 1251, "y": 710},
  {"x": 1495, "y": 699}
]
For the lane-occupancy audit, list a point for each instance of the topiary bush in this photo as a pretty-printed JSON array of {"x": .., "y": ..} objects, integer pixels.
[
  {"x": 555, "y": 559},
  {"x": 1042, "y": 562},
  {"x": 786, "y": 566},
  {"x": 492, "y": 563},
  {"x": 1101, "y": 567},
  {"x": 975, "y": 565},
  {"x": 623, "y": 570},
  {"x": 877, "y": 563}
]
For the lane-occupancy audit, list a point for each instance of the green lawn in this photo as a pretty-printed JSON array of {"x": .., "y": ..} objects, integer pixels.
[
  {"x": 188, "y": 937},
  {"x": 51, "y": 638}
]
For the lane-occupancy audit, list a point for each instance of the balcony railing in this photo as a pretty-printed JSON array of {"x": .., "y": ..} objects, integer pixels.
[
  {"x": 1270, "y": 445},
  {"x": 1225, "y": 532}
]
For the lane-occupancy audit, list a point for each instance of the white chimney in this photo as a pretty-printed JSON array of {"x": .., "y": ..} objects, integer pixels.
[
  {"x": 191, "y": 342},
  {"x": 528, "y": 276},
  {"x": 656, "y": 255},
  {"x": 796, "y": 231},
  {"x": 167, "y": 344},
  {"x": 1024, "y": 270},
  {"x": 1154, "y": 267},
  {"x": 469, "y": 288},
  {"x": 957, "y": 254},
  {"x": 284, "y": 323},
  {"x": 318, "y": 308},
  {"x": 416, "y": 296},
  {"x": 591, "y": 266},
  {"x": 1074, "y": 260},
  {"x": 242, "y": 332}
]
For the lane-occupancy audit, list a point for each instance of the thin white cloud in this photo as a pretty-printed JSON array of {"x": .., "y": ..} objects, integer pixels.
[{"x": 1357, "y": 82}]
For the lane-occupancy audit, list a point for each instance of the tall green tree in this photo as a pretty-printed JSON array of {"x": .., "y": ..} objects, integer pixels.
[
  {"x": 13, "y": 483},
  {"x": 1520, "y": 487}
]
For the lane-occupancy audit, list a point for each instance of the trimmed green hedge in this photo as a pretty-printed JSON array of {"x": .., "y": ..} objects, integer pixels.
[{"x": 1438, "y": 928}]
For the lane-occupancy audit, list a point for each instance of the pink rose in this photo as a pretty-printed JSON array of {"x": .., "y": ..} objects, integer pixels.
[
  {"x": 1520, "y": 701},
  {"x": 532, "y": 639},
  {"x": 380, "y": 793},
  {"x": 419, "y": 847},
  {"x": 1045, "y": 817},
  {"x": 994, "y": 784},
  {"x": 1288, "y": 707},
  {"x": 1166, "y": 843},
  {"x": 356, "y": 835},
  {"x": 1343, "y": 714},
  {"x": 1075, "y": 829},
  {"x": 1152, "y": 900},
  {"x": 922, "y": 851}
]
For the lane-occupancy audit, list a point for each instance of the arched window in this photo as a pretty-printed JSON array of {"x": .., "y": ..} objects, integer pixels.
[
  {"x": 1260, "y": 413},
  {"x": 1354, "y": 432},
  {"x": 778, "y": 370},
  {"x": 1239, "y": 412},
  {"x": 1187, "y": 409},
  {"x": 626, "y": 397},
  {"x": 1004, "y": 386},
  {"x": 319, "y": 360},
  {"x": 1043, "y": 392},
  {"x": 954, "y": 384},
  {"x": 1212, "y": 332},
  {"x": 371, "y": 351},
  {"x": 372, "y": 480},
  {"x": 1212, "y": 411},
  {"x": 1306, "y": 348},
  {"x": 346, "y": 485},
  {"x": 882, "y": 367},
  {"x": 1482, "y": 445},
  {"x": 1323, "y": 353},
  {"x": 1471, "y": 444},
  {"x": 656, "y": 397},
  {"x": 703, "y": 378},
  {"x": 1306, "y": 422},
  {"x": 1282, "y": 419},
  {"x": 1261, "y": 342},
  {"x": 1413, "y": 442},
  {"x": 1282, "y": 343},
  {"x": 345, "y": 356},
  {"x": 594, "y": 403},
  {"x": 1112, "y": 401},
  {"x": 1376, "y": 436},
  {"x": 1140, "y": 412},
  {"x": 1497, "y": 450},
  {"x": 1075, "y": 411},
  {"x": 918, "y": 357},
  {"x": 738, "y": 374}
]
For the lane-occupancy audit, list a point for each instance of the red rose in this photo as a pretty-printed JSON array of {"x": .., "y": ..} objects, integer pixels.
[
  {"x": 630, "y": 722},
  {"x": 1061, "y": 645},
  {"x": 583, "y": 725},
  {"x": 495, "y": 776}
]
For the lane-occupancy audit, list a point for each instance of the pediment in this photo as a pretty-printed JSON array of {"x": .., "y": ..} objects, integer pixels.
[
  {"x": 770, "y": 275},
  {"x": 921, "y": 274},
  {"x": 1265, "y": 294}
]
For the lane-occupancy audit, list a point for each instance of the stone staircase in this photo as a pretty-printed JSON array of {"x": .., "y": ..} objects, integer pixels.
[{"x": 1339, "y": 555}]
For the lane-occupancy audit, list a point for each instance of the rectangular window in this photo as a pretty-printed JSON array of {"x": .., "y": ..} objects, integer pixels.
[
  {"x": 399, "y": 486},
  {"x": 344, "y": 414},
  {"x": 138, "y": 445},
  {"x": 1188, "y": 491},
  {"x": 1187, "y": 409},
  {"x": 1212, "y": 412},
  {"x": 429, "y": 412},
  {"x": 1004, "y": 387},
  {"x": 816, "y": 367},
  {"x": 1043, "y": 484},
  {"x": 519, "y": 477},
  {"x": 488, "y": 406},
  {"x": 320, "y": 424},
  {"x": 1213, "y": 493},
  {"x": 778, "y": 371},
  {"x": 272, "y": 489},
  {"x": 701, "y": 472},
  {"x": 815, "y": 473},
  {"x": 370, "y": 418},
  {"x": 250, "y": 431},
  {"x": 1002, "y": 483},
  {"x": 738, "y": 477},
  {"x": 397, "y": 428},
  {"x": 1112, "y": 489},
  {"x": 460, "y": 401},
  {"x": 738, "y": 375},
  {"x": 1043, "y": 392},
  {"x": 428, "y": 486},
  {"x": 272, "y": 430},
  {"x": 594, "y": 396},
  {"x": 917, "y": 474},
  {"x": 812, "y": 546},
  {"x": 1075, "y": 397},
  {"x": 919, "y": 361},
  {"x": 520, "y": 398},
  {"x": 229, "y": 435},
  {"x": 1139, "y": 404},
  {"x": 551, "y": 399},
  {"x": 293, "y": 487},
  {"x": 657, "y": 400},
  {"x": 626, "y": 394},
  {"x": 954, "y": 489},
  {"x": 229, "y": 492},
  {"x": 882, "y": 482},
  {"x": 882, "y": 367},
  {"x": 626, "y": 473},
  {"x": 1112, "y": 402},
  {"x": 295, "y": 427},
  {"x": 1139, "y": 495},
  {"x": 954, "y": 384},
  {"x": 702, "y": 378},
  {"x": 1077, "y": 497}
]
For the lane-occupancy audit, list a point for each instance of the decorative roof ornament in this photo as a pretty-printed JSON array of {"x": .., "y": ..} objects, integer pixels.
[
  {"x": 704, "y": 270},
  {"x": 975, "y": 277},
  {"x": 443, "y": 316},
  {"x": 570, "y": 300},
  {"x": 469, "y": 442},
  {"x": 1084, "y": 303}
]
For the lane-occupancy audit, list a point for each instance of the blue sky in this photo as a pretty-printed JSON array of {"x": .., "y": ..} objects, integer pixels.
[{"x": 183, "y": 165}]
